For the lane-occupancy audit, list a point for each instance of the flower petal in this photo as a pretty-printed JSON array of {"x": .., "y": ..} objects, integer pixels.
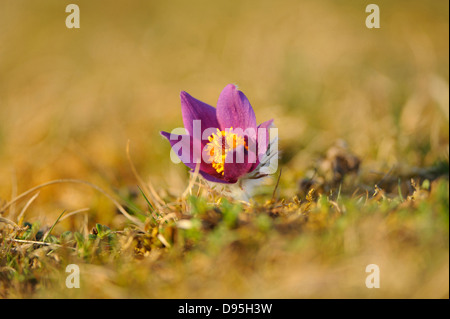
[
  {"x": 213, "y": 179},
  {"x": 262, "y": 148},
  {"x": 234, "y": 109},
  {"x": 193, "y": 109},
  {"x": 185, "y": 151},
  {"x": 233, "y": 169}
]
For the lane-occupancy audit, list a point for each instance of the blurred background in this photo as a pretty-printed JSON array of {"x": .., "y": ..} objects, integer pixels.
[{"x": 70, "y": 99}]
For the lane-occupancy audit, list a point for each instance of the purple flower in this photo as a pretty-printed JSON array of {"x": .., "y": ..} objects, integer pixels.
[{"x": 225, "y": 141}]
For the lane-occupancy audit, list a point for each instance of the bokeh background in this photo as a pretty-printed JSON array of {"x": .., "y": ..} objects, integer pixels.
[{"x": 70, "y": 99}]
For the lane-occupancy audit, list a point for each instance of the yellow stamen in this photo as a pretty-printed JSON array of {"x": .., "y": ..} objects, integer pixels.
[{"x": 220, "y": 143}]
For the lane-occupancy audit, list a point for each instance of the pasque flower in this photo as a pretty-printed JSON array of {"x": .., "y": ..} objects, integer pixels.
[{"x": 225, "y": 142}]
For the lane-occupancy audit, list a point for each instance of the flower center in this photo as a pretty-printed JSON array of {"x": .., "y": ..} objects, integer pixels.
[{"x": 220, "y": 143}]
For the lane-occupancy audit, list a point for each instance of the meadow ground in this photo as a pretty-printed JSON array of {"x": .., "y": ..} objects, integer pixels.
[{"x": 72, "y": 99}]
